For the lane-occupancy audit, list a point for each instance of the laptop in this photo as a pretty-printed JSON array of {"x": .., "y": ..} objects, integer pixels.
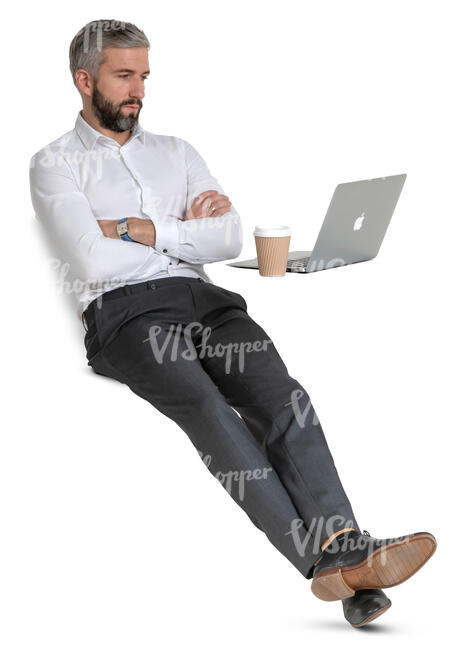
[{"x": 353, "y": 228}]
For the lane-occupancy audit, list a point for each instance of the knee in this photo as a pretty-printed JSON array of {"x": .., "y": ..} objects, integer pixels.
[
  {"x": 205, "y": 402},
  {"x": 295, "y": 417}
]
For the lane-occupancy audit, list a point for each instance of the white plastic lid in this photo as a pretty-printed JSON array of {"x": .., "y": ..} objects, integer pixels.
[{"x": 272, "y": 231}]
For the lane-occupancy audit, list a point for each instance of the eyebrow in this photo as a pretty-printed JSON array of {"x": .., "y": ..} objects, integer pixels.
[{"x": 128, "y": 70}]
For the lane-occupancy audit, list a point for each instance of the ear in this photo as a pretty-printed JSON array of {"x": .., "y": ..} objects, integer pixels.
[{"x": 84, "y": 81}]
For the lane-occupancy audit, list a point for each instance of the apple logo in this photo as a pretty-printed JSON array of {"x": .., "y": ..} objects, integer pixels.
[{"x": 359, "y": 221}]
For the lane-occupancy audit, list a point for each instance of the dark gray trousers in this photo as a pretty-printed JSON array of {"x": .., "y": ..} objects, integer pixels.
[{"x": 190, "y": 348}]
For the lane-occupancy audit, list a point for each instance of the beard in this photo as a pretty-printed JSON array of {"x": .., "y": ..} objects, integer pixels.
[{"x": 110, "y": 115}]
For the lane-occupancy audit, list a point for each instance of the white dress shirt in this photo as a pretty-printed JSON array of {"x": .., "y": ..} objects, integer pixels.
[{"x": 84, "y": 176}]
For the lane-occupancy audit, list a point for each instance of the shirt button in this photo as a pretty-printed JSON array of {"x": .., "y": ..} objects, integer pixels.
[{"x": 165, "y": 250}]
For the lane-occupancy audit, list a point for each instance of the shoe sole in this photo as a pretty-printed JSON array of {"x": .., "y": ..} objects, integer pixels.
[
  {"x": 383, "y": 568},
  {"x": 373, "y": 616}
]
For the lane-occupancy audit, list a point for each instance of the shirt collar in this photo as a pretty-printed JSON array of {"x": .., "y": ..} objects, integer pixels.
[{"x": 90, "y": 135}]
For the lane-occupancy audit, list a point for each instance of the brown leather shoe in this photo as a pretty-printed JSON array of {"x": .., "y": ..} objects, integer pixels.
[{"x": 355, "y": 561}]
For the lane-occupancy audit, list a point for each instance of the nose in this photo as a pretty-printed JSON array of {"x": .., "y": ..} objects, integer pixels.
[{"x": 137, "y": 90}]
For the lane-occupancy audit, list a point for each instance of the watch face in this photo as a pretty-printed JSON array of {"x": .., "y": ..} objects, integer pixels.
[{"x": 122, "y": 228}]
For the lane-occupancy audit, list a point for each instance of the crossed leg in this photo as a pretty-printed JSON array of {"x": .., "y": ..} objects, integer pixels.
[{"x": 277, "y": 410}]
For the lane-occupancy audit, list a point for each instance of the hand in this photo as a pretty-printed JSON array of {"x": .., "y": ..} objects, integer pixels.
[
  {"x": 200, "y": 207},
  {"x": 140, "y": 230}
]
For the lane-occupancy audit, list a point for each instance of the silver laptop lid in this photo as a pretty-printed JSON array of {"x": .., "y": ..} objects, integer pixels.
[{"x": 356, "y": 222}]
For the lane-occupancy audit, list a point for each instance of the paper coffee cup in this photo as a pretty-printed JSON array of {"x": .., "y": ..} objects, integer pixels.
[{"x": 272, "y": 245}]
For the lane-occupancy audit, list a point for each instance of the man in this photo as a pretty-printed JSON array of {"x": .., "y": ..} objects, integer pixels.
[{"x": 135, "y": 216}]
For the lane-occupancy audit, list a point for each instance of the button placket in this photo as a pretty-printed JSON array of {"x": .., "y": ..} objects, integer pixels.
[{"x": 136, "y": 178}]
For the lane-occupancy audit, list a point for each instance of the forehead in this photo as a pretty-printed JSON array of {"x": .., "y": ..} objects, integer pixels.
[{"x": 135, "y": 58}]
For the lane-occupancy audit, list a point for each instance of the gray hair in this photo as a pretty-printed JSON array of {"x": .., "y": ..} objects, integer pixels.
[{"x": 86, "y": 48}]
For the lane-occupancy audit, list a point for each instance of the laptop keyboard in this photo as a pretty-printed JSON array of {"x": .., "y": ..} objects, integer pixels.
[{"x": 300, "y": 263}]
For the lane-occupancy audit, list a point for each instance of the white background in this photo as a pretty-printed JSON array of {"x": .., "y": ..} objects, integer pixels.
[{"x": 114, "y": 533}]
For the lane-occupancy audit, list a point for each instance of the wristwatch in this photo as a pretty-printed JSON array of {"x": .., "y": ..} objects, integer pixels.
[{"x": 122, "y": 229}]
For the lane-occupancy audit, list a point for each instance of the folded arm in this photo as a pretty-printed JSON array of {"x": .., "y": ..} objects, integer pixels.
[
  {"x": 197, "y": 238},
  {"x": 77, "y": 237},
  {"x": 207, "y": 204}
]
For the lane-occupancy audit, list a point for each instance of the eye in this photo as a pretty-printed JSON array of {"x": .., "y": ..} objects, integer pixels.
[{"x": 125, "y": 76}]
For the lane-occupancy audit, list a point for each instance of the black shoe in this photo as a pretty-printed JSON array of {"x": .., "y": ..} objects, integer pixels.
[
  {"x": 355, "y": 561},
  {"x": 365, "y": 606}
]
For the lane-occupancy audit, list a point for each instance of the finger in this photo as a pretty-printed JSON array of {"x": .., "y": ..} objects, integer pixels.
[
  {"x": 218, "y": 213},
  {"x": 204, "y": 195},
  {"x": 208, "y": 199},
  {"x": 218, "y": 202},
  {"x": 207, "y": 212}
]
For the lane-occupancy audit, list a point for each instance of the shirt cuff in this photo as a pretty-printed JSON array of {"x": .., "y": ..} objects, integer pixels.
[{"x": 167, "y": 235}]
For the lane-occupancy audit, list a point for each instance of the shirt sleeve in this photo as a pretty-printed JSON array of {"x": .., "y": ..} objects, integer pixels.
[
  {"x": 199, "y": 241},
  {"x": 66, "y": 214}
]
